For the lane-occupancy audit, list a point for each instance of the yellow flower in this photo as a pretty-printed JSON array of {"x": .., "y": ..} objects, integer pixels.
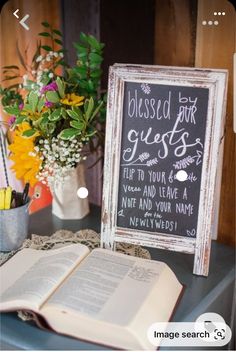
[
  {"x": 72, "y": 99},
  {"x": 34, "y": 116},
  {"x": 26, "y": 161}
]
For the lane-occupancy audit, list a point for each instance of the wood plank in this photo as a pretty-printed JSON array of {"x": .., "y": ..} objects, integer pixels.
[
  {"x": 215, "y": 46},
  {"x": 175, "y": 28},
  {"x": 83, "y": 16}
]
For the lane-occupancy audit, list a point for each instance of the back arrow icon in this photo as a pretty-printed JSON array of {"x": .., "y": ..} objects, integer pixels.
[
  {"x": 15, "y": 13},
  {"x": 22, "y": 22}
]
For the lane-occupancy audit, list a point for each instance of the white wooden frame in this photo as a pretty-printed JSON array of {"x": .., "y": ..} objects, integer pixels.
[{"x": 216, "y": 82}]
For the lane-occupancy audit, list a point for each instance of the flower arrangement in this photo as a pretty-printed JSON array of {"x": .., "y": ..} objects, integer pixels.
[{"x": 55, "y": 116}]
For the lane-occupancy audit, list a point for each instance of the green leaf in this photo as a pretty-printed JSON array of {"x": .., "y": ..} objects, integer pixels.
[
  {"x": 89, "y": 109},
  {"x": 91, "y": 134},
  {"x": 20, "y": 119},
  {"x": 50, "y": 127},
  {"x": 46, "y": 47},
  {"x": 40, "y": 104},
  {"x": 82, "y": 71},
  {"x": 43, "y": 121},
  {"x": 33, "y": 100},
  {"x": 96, "y": 111},
  {"x": 78, "y": 112},
  {"x": 27, "y": 107},
  {"x": 93, "y": 42},
  {"x": 56, "y": 115},
  {"x": 96, "y": 73},
  {"x": 82, "y": 51},
  {"x": 45, "y": 79},
  {"x": 13, "y": 110},
  {"x": 61, "y": 88},
  {"x": 68, "y": 133},
  {"x": 45, "y": 34},
  {"x": 58, "y": 41},
  {"x": 79, "y": 125},
  {"x": 45, "y": 24},
  {"x": 83, "y": 37},
  {"x": 52, "y": 97},
  {"x": 63, "y": 112},
  {"x": 90, "y": 85},
  {"x": 73, "y": 114},
  {"x": 29, "y": 133},
  {"x": 95, "y": 58},
  {"x": 56, "y": 31}
]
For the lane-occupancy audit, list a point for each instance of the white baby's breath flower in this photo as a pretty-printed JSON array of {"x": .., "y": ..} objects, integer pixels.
[
  {"x": 50, "y": 75},
  {"x": 61, "y": 54},
  {"x": 39, "y": 58},
  {"x": 55, "y": 54}
]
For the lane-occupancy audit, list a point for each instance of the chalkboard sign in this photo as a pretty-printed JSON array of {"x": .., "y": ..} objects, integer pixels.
[{"x": 162, "y": 142}]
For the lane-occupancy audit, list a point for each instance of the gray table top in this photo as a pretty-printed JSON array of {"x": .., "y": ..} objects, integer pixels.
[{"x": 200, "y": 292}]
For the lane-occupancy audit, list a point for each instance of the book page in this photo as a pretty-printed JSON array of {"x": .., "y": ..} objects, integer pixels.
[
  {"x": 108, "y": 286},
  {"x": 32, "y": 275}
]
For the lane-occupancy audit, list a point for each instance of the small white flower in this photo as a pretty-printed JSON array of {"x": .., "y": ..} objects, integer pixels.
[
  {"x": 50, "y": 75},
  {"x": 48, "y": 58},
  {"x": 55, "y": 54},
  {"x": 61, "y": 54},
  {"x": 39, "y": 58}
]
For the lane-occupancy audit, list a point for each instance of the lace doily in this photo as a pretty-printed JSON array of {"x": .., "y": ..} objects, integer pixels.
[{"x": 64, "y": 237}]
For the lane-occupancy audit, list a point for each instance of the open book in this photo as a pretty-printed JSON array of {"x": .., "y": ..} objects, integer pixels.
[{"x": 103, "y": 296}]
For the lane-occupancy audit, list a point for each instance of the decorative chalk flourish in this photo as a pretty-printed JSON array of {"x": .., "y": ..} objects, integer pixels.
[
  {"x": 191, "y": 233},
  {"x": 145, "y": 88},
  {"x": 142, "y": 157},
  {"x": 184, "y": 163}
]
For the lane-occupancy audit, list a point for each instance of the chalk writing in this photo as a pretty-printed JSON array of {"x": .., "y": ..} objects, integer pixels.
[{"x": 163, "y": 131}]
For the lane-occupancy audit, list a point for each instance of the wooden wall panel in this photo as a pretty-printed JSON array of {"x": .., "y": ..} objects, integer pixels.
[
  {"x": 11, "y": 30},
  {"x": 215, "y": 46},
  {"x": 182, "y": 40},
  {"x": 175, "y": 28},
  {"x": 83, "y": 16}
]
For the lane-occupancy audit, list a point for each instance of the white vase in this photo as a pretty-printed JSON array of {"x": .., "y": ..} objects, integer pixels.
[{"x": 66, "y": 204}]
